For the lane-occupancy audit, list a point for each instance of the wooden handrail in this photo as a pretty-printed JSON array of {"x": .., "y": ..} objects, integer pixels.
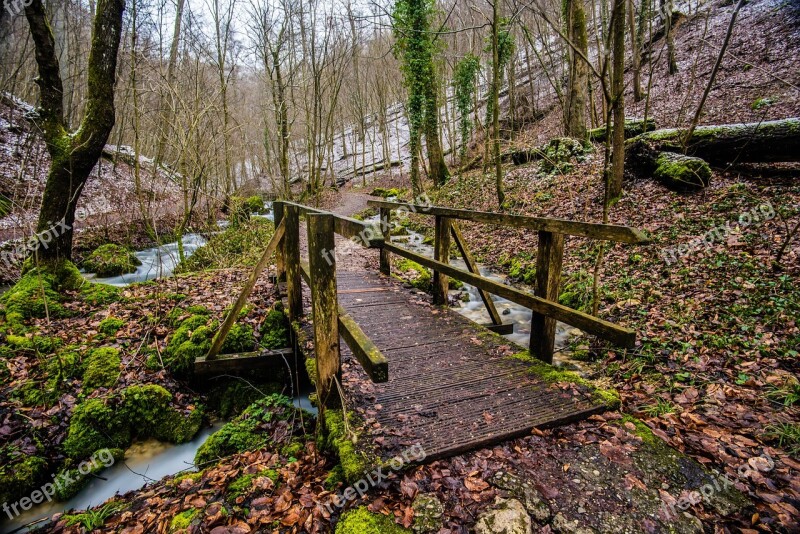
[
  {"x": 369, "y": 234},
  {"x": 624, "y": 337},
  {"x": 605, "y": 232}
]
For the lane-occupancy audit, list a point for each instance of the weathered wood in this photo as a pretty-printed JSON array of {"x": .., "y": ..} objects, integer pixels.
[
  {"x": 246, "y": 361},
  {"x": 368, "y": 235},
  {"x": 386, "y": 227},
  {"x": 441, "y": 252},
  {"x": 219, "y": 339},
  {"x": 548, "y": 283},
  {"x": 621, "y": 336},
  {"x": 294, "y": 291},
  {"x": 758, "y": 142},
  {"x": 277, "y": 210},
  {"x": 606, "y": 232},
  {"x": 472, "y": 267},
  {"x": 362, "y": 347},
  {"x": 322, "y": 267}
]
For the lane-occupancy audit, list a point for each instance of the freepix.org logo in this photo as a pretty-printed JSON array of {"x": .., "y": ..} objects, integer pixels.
[{"x": 15, "y": 6}]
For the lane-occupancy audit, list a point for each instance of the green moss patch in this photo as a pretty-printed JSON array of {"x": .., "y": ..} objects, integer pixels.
[
  {"x": 183, "y": 520},
  {"x": 362, "y": 521},
  {"x": 682, "y": 173},
  {"x": 229, "y": 398},
  {"x": 275, "y": 330},
  {"x": 415, "y": 274},
  {"x": 39, "y": 293},
  {"x": 136, "y": 412},
  {"x": 339, "y": 439},
  {"x": 102, "y": 368},
  {"x": 231, "y": 248},
  {"x": 19, "y": 472},
  {"x": 554, "y": 375},
  {"x": 111, "y": 260},
  {"x": 110, "y": 326},
  {"x": 270, "y": 421}
]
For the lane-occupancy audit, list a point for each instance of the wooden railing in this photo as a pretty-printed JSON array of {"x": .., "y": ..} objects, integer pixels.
[
  {"x": 544, "y": 302},
  {"x": 330, "y": 321}
]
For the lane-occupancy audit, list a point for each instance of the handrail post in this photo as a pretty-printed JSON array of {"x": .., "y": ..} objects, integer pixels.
[
  {"x": 280, "y": 264},
  {"x": 294, "y": 289},
  {"x": 442, "y": 254},
  {"x": 322, "y": 267},
  {"x": 386, "y": 228},
  {"x": 548, "y": 282}
]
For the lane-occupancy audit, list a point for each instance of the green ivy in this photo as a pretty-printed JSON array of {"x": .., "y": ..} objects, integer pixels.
[{"x": 465, "y": 75}]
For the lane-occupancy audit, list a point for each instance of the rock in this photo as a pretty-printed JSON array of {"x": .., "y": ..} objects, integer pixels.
[
  {"x": 562, "y": 525},
  {"x": 557, "y": 156},
  {"x": 428, "y": 513},
  {"x": 682, "y": 173},
  {"x": 525, "y": 492},
  {"x": 507, "y": 516}
]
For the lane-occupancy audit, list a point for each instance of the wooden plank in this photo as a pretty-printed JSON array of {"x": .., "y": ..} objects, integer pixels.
[
  {"x": 277, "y": 210},
  {"x": 246, "y": 361},
  {"x": 294, "y": 290},
  {"x": 219, "y": 339},
  {"x": 322, "y": 270},
  {"x": 441, "y": 252},
  {"x": 624, "y": 337},
  {"x": 548, "y": 283},
  {"x": 472, "y": 267},
  {"x": 386, "y": 227},
  {"x": 368, "y": 235},
  {"x": 606, "y": 232},
  {"x": 365, "y": 351}
]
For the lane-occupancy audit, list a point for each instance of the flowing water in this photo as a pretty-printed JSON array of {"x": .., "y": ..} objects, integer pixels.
[
  {"x": 144, "y": 462},
  {"x": 157, "y": 262}
]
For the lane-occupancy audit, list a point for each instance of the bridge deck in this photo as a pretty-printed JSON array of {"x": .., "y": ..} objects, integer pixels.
[{"x": 452, "y": 384}]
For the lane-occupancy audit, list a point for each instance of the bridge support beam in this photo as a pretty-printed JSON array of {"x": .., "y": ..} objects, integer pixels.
[
  {"x": 278, "y": 210},
  {"x": 322, "y": 264},
  {"x": 291, "y": 261},
  {"x": 441, "y": 253},
  {"x": 548, "y": 283},
  {"x": 386, "y": 228}
]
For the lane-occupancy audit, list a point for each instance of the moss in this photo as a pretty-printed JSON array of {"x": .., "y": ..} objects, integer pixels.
[
  {"x": 110, "y": 326},
  {"x": 39, "y": 292},
  {"x": 415, "y": 274},
  {"x": 183, "y": 520},
  {"x": 292, "y": 450},
  {"x": 19, "y": 473},
  {"x": 193, "y": 339},
  {"x": 386, "y": 193},
  {"x": 633, "y": 127},
  {"x": 136, "y": 412},
  {"x": 92, "y": 520},
  {"x": 248, "y": 431},
  {"x": 311, "y": 369},
  {"x": 239, "y": 339},
  {"x": 194, "y": 477},
  {"x": 521, "y": 267},
  {"x": 339, "y": 439},
  {"x": 275, "y": 330},
  {"x": 334, "y": 478},
  {"x": 229, "y": 398},
  {"x": 255, "y": 204},
  {"x": 231, "y": 248},
  {"x": 111, "y": 260},
  {"x": 96, "y": 294},
  {"x": 554, "y": 375},
  {"x": 682, "y": 173},
  {"x": 559, "y": 155},
  {"x": 102, "y": 368},
  {"x": 362, "y": 521}
]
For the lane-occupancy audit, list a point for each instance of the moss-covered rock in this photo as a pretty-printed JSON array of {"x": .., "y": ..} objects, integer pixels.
[
  {"x": 262, "y": 424},
  {"x": 255, "y": 204},
  {"x": 362, "y": 521},
  {"x": 39, "y": 293},
  {"x": 682, "y": 173},
  {"x": 275, "y": 330},
  {"x": 111, "y": 260},
  {"x": 81, "y": 477},
  {"x": 102, "y": 368},
  {"x": 136, "y": 412},
  {"x": 193, "y": 339},
  {"x": 415, "y": 274},
  {"x": 96, "y": 294},
  {"x": 110, "y": 326},
  {"x": 387, "y": 193}
]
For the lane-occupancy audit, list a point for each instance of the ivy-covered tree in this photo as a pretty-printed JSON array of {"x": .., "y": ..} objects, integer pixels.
[
  {"x": 502, "y": 47},
  {"x": 465, "y": 75},
  {"x": 415, "y": 47},
  {"x": 73, "y": 153}
]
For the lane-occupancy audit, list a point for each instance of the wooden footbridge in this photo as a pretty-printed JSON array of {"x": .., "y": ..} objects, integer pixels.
[{"x": 422, "y": 374}]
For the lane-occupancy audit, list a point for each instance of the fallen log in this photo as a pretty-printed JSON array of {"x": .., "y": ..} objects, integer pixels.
[
  {"x": 633, "y": 127},
  {"x": 762, "y": 142}
]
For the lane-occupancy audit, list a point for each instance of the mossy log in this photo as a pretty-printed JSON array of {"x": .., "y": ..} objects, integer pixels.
[
  {"x": 633, "y": 127},
  {"x": 764, "y": 142}
]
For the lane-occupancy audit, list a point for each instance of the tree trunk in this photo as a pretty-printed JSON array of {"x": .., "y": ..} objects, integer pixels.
[
  {"x": 666, "y": 13},
  {"x": 73, "y": 154},
  {"x": 498, "y": 165},
  {"x": 163, "y": 129},
  {"x": 433, "y": 142},
  {"x": 758, "y": 142},
  {"x": 614, "y": 187},
  {"x": 575, "y": 109}
]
